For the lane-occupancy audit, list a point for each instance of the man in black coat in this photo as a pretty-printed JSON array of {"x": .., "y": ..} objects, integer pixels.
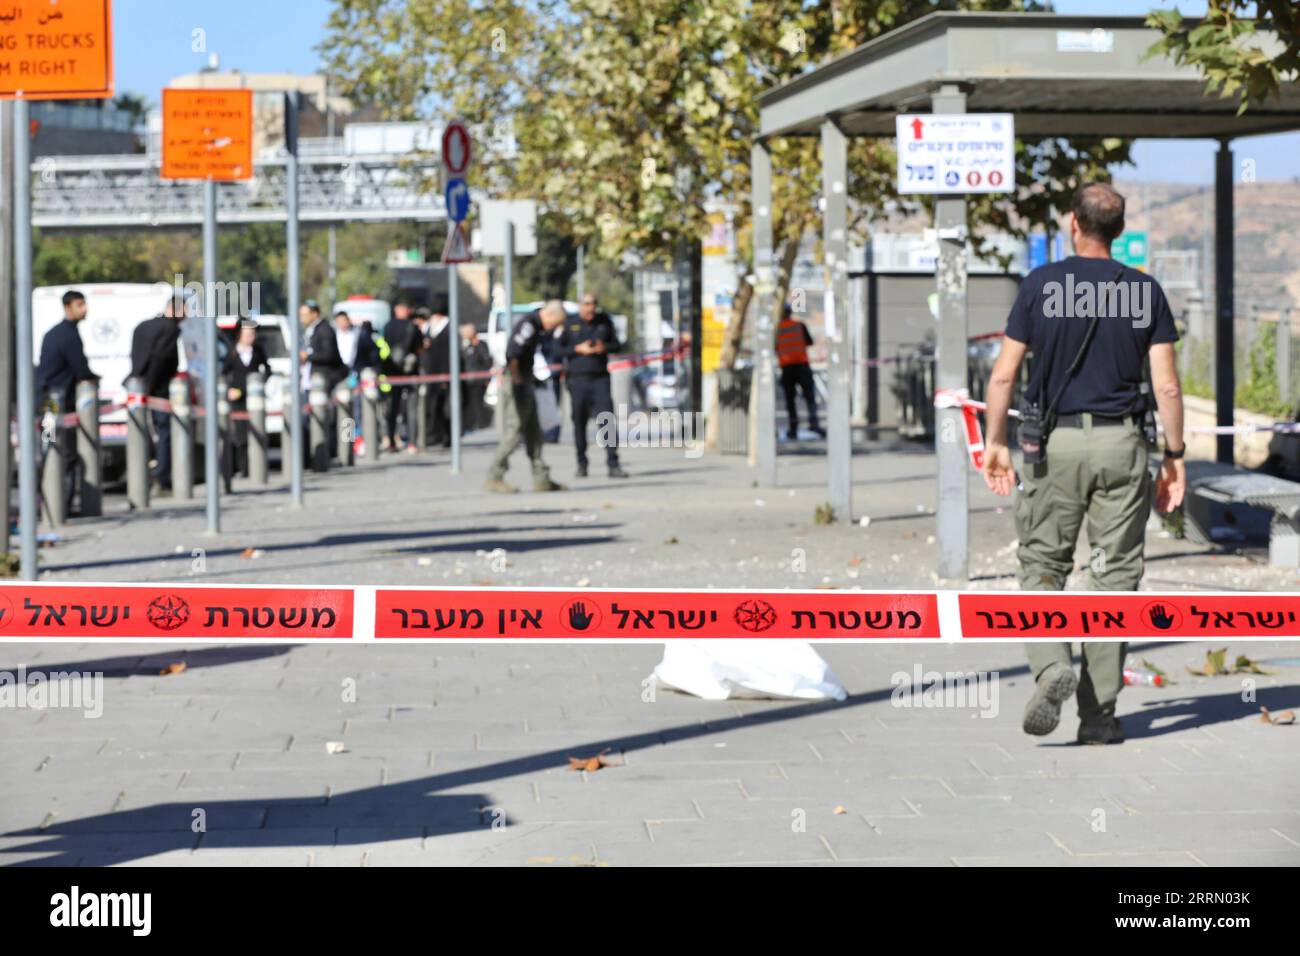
[
  {"x": 245, "y": 357},
  {"x": 320, "y": 353},
  {"x": 436, "y": 360},
  {"x": 63, "y": 364},
  {"x": 404, "y": 340},
  {"x": 155, "y": 359}
]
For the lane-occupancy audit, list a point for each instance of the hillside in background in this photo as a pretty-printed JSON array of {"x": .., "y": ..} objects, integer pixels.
[{"x": 1268, "y": 232}]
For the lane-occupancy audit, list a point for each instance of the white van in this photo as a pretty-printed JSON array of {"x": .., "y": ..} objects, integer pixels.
[{"x": 364, "y": 308}]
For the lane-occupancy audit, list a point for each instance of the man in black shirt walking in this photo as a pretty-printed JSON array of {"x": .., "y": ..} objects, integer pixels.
[{"x": 1093, "y": 327}]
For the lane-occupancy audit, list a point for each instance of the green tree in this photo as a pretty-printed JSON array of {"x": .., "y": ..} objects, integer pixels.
[
  {"x": 626, "y": 119},
  {"x": 1230, "y": 48}
]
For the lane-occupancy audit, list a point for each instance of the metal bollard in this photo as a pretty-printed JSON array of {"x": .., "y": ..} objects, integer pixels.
[
  {"x": 347, "y": 425},
  {"x": 422, "y": 416},
  {"x": 137, "y": 445},
  {"x": 182, "y": 427},
  {"x": 226, "y": 447},
  {"x": 370, "y": 414},
  {"x": 318, "y": 404},
  {"x": 53, "y": 472},
  {"x": 257, "y": 443},
  {"x": 92, "y": 467}
]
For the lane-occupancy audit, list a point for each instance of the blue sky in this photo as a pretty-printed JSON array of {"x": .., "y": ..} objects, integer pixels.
[{"x": 153, "y": 40}]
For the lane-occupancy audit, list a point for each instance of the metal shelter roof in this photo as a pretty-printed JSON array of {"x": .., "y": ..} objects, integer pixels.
[{"x": 1059, "y": 75}]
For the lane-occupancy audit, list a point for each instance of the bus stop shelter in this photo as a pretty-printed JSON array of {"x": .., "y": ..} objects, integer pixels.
[{"x": 1067, "y": 76}]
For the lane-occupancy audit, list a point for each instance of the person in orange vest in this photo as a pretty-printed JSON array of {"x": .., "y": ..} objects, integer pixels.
[{"x": 792, "y": 341}]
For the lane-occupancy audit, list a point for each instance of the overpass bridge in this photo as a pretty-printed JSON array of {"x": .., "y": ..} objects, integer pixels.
[{"x": 334, "y": 186}]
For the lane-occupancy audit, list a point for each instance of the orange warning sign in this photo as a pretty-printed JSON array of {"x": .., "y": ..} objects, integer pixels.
[
  {"x": 207, "y": 134},
  {"x": 56, "y": 49}
]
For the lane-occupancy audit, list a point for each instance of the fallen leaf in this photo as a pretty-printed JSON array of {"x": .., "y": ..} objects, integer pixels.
[
  {"x": 595, "y": 763},
  {"x": 671, "y": 539},
  {"x": 840, "y": 811},
  {"x": 1213, "y": 666},
  {"x": 176, "y": 668},
  {"x": 1285, "y": 717},
  {"x": 1245, "y": 665}
]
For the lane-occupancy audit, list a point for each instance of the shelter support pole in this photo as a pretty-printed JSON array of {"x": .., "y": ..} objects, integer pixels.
[
  {"x": 953, "y": 490},
  {"x": 835, "y": 243},
  {"x": 764, "y": 343},
  {"x": 1224, "y": 304}
]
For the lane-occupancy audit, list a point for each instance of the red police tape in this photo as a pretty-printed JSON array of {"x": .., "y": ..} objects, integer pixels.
[
  {"x": 173, "y": 611},
  {"x": 220, "y": 614},
  {"x": 653, "y": 615}
]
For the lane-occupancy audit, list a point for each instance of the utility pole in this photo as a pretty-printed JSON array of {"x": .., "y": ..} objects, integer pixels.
[{"x": 6, "y": 304}]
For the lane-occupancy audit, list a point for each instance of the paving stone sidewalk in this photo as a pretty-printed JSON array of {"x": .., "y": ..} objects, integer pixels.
[{"x": 459, "y": 754}]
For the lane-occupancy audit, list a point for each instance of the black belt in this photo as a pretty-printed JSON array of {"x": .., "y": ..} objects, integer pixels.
[{"x": 1075, "y": 419}]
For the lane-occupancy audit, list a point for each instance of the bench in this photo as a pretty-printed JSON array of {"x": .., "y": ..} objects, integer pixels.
[{"x": 1230, "y": 505}]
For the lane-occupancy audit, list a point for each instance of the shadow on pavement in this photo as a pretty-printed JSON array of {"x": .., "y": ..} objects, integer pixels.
[
  {"x": 419, "y": 805},
  {"x": 149, "y": 663},
  {"x": 326, "y": 542}
]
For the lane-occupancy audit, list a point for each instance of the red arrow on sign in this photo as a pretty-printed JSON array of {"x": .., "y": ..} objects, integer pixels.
[{"x": 917, "y": 126}]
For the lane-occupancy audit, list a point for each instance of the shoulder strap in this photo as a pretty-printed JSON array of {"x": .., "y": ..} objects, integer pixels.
[{"x": 1078, "y": 359}]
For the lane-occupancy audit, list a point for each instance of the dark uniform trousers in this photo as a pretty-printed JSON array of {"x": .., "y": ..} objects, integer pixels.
[
  {"x": 590, "y": 396},
  {"x": 1097, "y": 474},
  {"x": 798, "y": 376}
]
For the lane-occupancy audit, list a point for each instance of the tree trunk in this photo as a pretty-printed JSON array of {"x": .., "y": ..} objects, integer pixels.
[{"x": 736, "y": 333}]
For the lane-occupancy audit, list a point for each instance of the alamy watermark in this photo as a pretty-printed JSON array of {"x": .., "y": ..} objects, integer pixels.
[
  {"x": 243, "y": 299},
  {"x": 1086, "y": 299},
  {"x": 933, "y": 689},
  {"x": 61, "y": 690},
  {"x": 656, "y": 429}
]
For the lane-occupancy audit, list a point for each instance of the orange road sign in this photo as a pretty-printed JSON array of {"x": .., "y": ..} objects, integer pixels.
[
  {"x": 207, "y": 134},
  {"x": 56, "y": 49}
]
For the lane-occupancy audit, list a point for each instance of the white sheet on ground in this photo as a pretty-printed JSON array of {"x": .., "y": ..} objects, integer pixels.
[{"x": 717, "y": 670}]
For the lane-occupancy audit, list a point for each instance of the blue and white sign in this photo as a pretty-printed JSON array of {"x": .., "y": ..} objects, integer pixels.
[
  {"x": 457, "y": 197},
  {"x": 954, "y": 153}
]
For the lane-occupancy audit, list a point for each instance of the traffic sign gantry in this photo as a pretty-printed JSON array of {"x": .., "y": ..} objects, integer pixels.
[
  {"x": 56, "y": 50},
  {"x": 207, "y": 134}
]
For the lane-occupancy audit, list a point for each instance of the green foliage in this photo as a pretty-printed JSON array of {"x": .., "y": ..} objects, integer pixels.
[
  {"x": 625, "y": 117},
  {"x": 1259, "y": 389},
  {"x": 1231, "y": 50}
]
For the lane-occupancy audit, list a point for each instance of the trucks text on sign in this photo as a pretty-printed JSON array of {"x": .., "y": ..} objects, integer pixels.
[{"x": 56, "y": 49}]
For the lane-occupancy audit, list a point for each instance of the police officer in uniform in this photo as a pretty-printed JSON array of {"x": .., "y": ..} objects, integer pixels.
[
  {"x": 586, "y": 344},
  {"x": 519, "y": 403},
  {"x": 1093, "y": 327}
]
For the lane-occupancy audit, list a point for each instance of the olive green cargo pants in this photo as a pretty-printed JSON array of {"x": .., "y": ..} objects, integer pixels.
[
  {"x": 518, "y": 424},
  {"x": 1098, "y": 474}
]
